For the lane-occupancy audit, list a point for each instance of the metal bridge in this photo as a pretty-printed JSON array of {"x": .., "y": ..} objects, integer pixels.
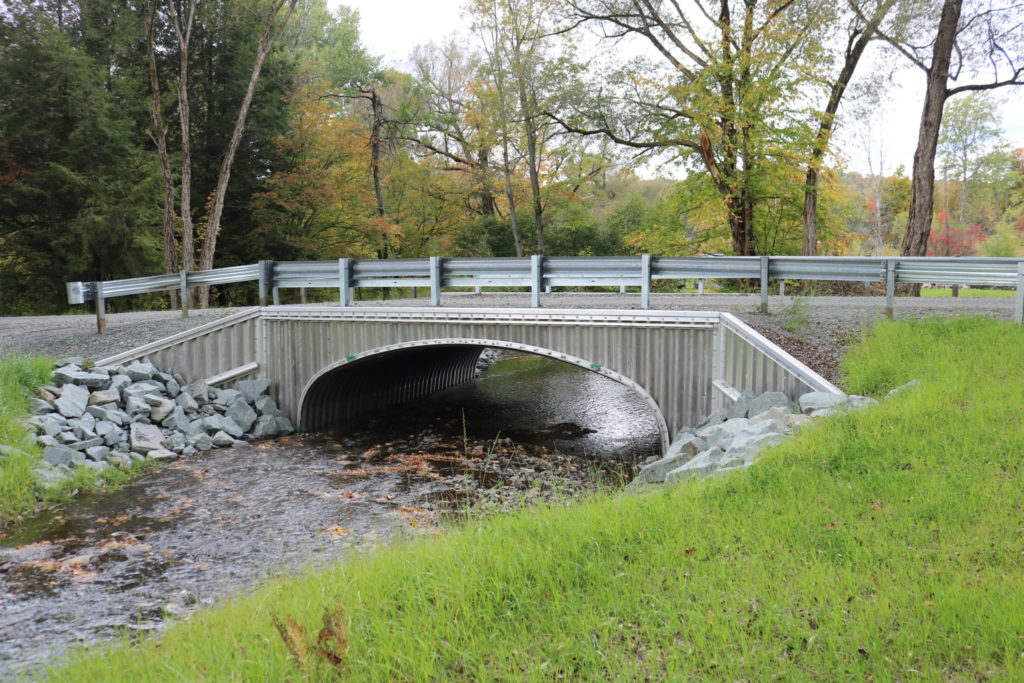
[{"x": 330, "y": 363}]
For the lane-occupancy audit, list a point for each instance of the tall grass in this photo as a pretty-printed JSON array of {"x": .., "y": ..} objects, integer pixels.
[
  {"x": 20, "y": 493},
  {"x": 886, "y": 544}
]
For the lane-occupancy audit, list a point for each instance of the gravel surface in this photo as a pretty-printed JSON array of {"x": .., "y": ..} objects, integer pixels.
[{"x": 814, "y": 329}]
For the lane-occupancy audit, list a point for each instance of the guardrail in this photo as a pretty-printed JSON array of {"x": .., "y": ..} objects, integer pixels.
[{"x": 540, "y": 273}]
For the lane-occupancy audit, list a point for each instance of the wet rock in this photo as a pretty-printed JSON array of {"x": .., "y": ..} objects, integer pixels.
[
  {"x": 266, "y": 427},
  {"x": 252, "y": 389},
  {"x": 820, "y": 400},
  {"x": 73, "y": 400},
  {"x": 160, "y": 454},
  {"x": 140, "y": 370},
  {"x": 265, "y": 405},
  {"x": 241, "y": 414},
  {"x": 222, "y": 440},
  {"x": 59, "y": 455},
  {"x": 104, "y": 397},
  {"x": 145, "y": 438}
]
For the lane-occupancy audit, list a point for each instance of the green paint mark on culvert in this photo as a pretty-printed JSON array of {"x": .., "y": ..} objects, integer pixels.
[
  {"x": 595, "y": 366},
  {"x": 352, "y": 358}
]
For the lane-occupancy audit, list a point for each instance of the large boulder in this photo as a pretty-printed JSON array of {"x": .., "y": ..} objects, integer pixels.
[
  {"x": 140, "y": 370},
  {"x": 252, "y": 389},
  {"x": 60, "y": 455},
  {"x": 740, "y": 406},
  {"x": 145, "y": 438},
  {"x": 265, "y": 428},
  {"x": 241, "y": 414},
  {"x": 820, "y": 400},
  {"x": 265, "y": 405},
  {"x": 769, "y": 400}
]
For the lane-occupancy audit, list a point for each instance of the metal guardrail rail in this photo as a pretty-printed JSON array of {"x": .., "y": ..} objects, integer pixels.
[{"x": 539, "y": 273}]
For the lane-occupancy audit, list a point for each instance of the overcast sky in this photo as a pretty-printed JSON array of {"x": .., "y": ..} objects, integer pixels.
[{"x": 391, "y": 28}]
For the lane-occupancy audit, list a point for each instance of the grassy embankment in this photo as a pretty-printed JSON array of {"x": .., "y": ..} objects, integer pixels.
[
  {"x": 940, "y": 292},
  {"x": 19, "y": 492},
  {"x": 887, "y": 543}
]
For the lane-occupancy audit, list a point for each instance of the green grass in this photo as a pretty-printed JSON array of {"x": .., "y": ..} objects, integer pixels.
[
  {"x": 883, "y": 544},
  {"x": 977, "y": 293},
  {"x": 19, "y": 492}
]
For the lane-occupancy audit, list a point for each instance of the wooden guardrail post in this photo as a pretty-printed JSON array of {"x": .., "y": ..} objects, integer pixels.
[
  {"x": 764, "y": 285},
  {"x": 344, "y": 281},
  {"x": 101, "y": 309},
  {"x": 266, "y": 280},
  {"x": 536, "y": 279},
  {"x": 890, "y": 286},
  {"x": 183, "y": 292},
  {"x": 435, "y": 280},
  {"x": 645, "y": 281},
  {"x": 1018, "y": 308}
]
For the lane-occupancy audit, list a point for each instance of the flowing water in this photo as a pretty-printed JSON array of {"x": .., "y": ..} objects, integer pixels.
[{"x": 208, "y": 526}]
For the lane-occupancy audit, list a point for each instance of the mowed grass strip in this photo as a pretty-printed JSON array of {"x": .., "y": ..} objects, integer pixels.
[{"x": 887, "y": 543}]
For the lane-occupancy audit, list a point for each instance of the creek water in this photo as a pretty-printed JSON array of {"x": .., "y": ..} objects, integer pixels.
[{"x": 208, "y": 526}]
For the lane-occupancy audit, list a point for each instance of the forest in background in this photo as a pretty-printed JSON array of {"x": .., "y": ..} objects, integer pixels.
[{"x": 140, "y": 137}]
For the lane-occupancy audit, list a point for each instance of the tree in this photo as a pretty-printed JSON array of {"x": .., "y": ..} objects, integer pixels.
[
  {"x": 980, "y": 49},
  {"x": 969, "y": 127}
]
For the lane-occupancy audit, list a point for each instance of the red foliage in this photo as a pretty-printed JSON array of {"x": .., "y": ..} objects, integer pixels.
[{"x": 948, "y": 240}]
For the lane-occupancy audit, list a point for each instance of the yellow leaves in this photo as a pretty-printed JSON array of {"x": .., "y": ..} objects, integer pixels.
[
  {"x": 338, "y": 530},
  {"x": 331, "y": 643}
]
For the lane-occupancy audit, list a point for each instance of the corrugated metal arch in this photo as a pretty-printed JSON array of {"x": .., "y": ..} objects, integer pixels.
[{"x": 364, "y": 382}]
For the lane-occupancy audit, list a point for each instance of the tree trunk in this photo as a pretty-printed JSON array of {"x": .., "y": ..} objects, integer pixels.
[
  {"x": 528, "y": 107},
  {"x": 268, "y": 35},
  {"x": 919, "y": 222},
  {"x": 511, "y": 196},
  {"x": 160, "y": 136},
  {"x": 488, "y": 205}
]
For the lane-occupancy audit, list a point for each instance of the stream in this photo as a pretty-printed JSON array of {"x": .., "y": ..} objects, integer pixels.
[{"x": 206, "y": 527}]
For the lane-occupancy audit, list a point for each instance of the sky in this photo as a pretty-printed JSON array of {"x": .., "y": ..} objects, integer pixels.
[{"x": 391, "y": 28}]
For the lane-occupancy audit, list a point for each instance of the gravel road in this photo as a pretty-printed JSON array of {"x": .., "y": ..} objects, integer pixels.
[{"x": 814, "y": 329}]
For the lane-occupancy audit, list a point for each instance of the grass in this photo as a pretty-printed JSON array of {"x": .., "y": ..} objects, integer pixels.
[
  {"x": 977, "y": 293},
  {"x": 883, "y": 544},
  {"x": 20, "y": 494}
]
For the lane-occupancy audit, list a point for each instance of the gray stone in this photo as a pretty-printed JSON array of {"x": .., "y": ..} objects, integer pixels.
[
  {"x": 10, "y": 451},
  {"x": 62, "y": 375},
  {"x": 188, "y": 450},
  {"x": 86, "y": 443},
  {"x": 176, "y": 441},
  {"x": 797, "y": 421},
  {"x": 137, "y": 457},
  {"x": 748, "y": 447},
  {"x": 199, "y": 390},
  {"x": 162, "y": 377},
  {"x": 109, "y": 432},
  {"x": 136, "y": 405},
  {"x": 253, "y": 388},
  {"x": 86, "y": 420},
  {"x": 159, "y": 407},
  {"x": 215, "y": 423},
  {"x": 73, "y": 360},
  {"x": 149, "y": 386},
  {"x": 59, "y": 455},
  {"x": 161, "y": 454},
  {"x": 73, "y": 400},
  {"x": 50, "y": 425},
  {"x": 38, "y": 406},
  {"x": 239, "y": 443},
  {"x": 265, "y": 405},
  {"x": 186, "y": 401},
  {"x": 716, "y": 417},
  {"x": 222, "y": 440},
  {"x": 140, "y": 370},
  {"x": 109, "y": 413},
  {"x": 46, "y": 440},
  {"x": 119, "y": 382},
  {"x": 121, "y": 460},
  {"x": 689, "y": 445},
  {"x": 196, "y": 427},
  {"x": 176, "y": 420},
  {"x": 241, "y": 414},
  {"x": 703, "y": 465},
  {"x": 67, "y": 437},
  {"x": 82, "y": 431},
  {"x": 145, "y": 438},
  {"x": 50, "y": 477},
  {"x": 284, "y": 425},
  {"x": 903, "y": 387},
  {"x": 825, "y": 412},
  {"x": 771, "y": 399},
  {"x": 778, "y": 415},
  {"x": 92, "y": 380},
  {"x": 861, "y": 402},
  {"x": 203, "y": 442},
  {"x": 818, "y": 400},
  {"x": 740, "y": 406},
  {"x": 48, "y": 396},
  {"x": 96, "y": 466},
  {"x": 265, "y": 428},
  {"x": 101, "y": 398},
  {"x": 97, "y": 453},
  {"x": 173, "y": 387},
  {"x": 225, "y": 397}
]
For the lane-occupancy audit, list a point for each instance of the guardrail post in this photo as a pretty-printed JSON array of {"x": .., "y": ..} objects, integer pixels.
[
  {"x": 890, "y": 286},
  {"x": 277, "y": 296},
  {"x": 183, "y": 292},
  {"x": 266, "y": 280},
  {"x": 782, "y": 288},
  {"x": 435, "y": 280},
  {"x": 344, "y": 279},
  {"x": 764, "y": 284},
  {"x": 700, "y": 287},
  {"x": 101, "y": 309},
  {"x": 645, "y": 281},
  {"x": 536, "y": 279},
  {"x": 1018, "y": 310}
]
